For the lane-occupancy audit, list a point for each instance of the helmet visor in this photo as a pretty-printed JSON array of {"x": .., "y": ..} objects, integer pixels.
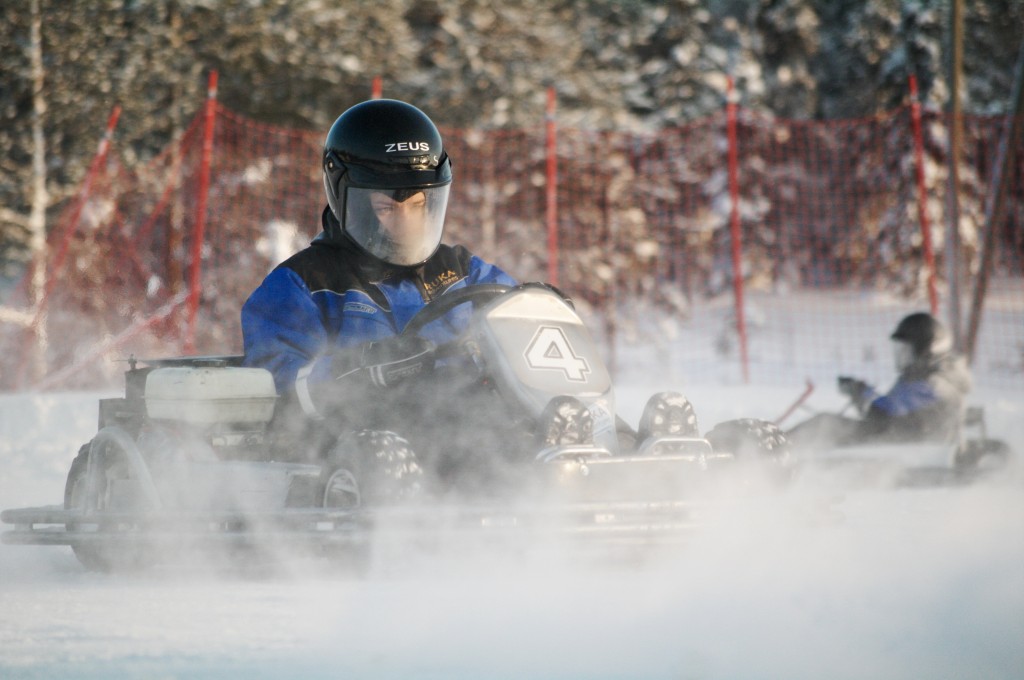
[{"x": 400, "y": 226}]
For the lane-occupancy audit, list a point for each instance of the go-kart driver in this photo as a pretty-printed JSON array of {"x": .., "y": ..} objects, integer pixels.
[
  {"x": 378, "y": 261},
  {"x": 926, "y": 403},
  {"x": 326, "y": 321}
]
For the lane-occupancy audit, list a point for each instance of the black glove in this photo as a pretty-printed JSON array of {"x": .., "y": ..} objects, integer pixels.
[
  {"x": 852, "y": 387},
  {"x": 387, "y": 362}
]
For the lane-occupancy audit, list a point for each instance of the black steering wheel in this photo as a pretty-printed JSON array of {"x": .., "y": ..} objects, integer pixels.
[{"x": 477, "y": 294}]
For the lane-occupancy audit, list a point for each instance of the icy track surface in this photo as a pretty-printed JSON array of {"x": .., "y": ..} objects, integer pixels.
[{"x": 909, "y": 583}]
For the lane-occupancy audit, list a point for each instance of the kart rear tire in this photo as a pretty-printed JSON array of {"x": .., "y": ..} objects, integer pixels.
[
  {"x": 94, "y": 558},
  {"x": 74, "y": 488},
  {"x": 983, "y": 456}
]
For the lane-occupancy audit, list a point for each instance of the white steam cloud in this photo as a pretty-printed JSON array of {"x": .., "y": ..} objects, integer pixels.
[{"x": 858, "y": 582}]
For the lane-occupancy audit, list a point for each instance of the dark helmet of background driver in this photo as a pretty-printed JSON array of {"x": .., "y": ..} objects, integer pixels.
[
  {"x": 924, "y": 333},
  {"x": 382, "y": 144}
]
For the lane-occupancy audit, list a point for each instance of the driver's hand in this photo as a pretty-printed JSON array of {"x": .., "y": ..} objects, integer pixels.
[
  {"x": 851, "y": 387},
  {"x": 389, "y": 361}
]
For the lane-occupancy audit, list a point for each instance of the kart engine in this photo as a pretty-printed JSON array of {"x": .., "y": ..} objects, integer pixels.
[
  {"x": 209, "y": 395},
  {"x": 224, "y": 407}
]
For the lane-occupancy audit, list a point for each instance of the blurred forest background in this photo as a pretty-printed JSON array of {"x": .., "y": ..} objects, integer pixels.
[{"x": 636, "y": 65}]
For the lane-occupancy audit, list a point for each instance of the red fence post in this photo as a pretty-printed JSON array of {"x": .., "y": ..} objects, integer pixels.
[
  {"x": 62, "y": 252},
  {"x": 200, "y": 226},
  {"x": 551, "y": 190},
  {"x": 922, "y": 196},
  {"x": 83, "y": 196},
  {"x": 734, "y": 222}
]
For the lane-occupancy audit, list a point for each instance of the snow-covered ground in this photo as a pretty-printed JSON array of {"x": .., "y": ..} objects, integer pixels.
[{"x": 908, "y": 583}]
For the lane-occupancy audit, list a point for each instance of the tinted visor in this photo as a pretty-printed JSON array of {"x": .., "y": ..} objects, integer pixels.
[{"x": 400, "y": 226}]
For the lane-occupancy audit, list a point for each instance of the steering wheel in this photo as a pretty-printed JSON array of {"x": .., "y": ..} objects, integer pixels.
[{"x": 478, "y": 294}]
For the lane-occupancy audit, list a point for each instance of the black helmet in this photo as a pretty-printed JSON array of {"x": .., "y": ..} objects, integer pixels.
[
  {"x": 378, "y": 155},
  {"x": 925, "y": 335}
]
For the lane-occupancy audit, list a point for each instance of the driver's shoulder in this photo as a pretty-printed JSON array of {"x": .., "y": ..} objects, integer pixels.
[{"x": 324, "y": 266}]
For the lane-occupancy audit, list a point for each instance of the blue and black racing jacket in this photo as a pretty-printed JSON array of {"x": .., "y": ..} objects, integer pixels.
[
  {"x": 332, "y": 296},
  {"x": 927, "y": 402}
]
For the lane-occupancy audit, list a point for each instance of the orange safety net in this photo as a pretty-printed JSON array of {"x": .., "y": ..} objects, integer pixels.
[{"x": 832, "y": 248}]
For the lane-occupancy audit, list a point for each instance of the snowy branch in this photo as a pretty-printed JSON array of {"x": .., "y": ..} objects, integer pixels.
[
  {"x": 13, "y": 217},
  {"x": 16, "y": 316}
]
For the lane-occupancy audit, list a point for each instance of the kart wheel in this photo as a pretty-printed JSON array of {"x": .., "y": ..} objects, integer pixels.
[
  {"x": 341, "y": 490},
  {"x": 565, "y": 421},
  {"x": 75, "y": 498},
  {"x": 668, "y": 414},
  {"x": 96, "y": 495},
  {"x": 370, "y": 467},
  {"x": 982, "y": 456},
  {"x": 755, "y": 441}
]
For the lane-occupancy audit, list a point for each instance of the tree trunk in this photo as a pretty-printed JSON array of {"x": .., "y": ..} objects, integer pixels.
[{"x": 40, "y": 196}]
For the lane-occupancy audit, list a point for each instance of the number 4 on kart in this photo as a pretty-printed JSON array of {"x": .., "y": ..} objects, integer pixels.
[{"x": 550, "y": 349}]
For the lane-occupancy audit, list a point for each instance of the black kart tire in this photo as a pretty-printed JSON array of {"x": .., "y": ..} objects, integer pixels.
[
  {"x": 74, "y": 488},
  {"x": 668, "y": 412},
  {"x": 980, "y": 456},
  {"x": 93, "y": 557},
  {"x": 370, "y": 467}
]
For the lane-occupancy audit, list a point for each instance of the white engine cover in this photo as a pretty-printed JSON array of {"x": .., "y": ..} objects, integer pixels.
[{"x": 208, "y": 395}]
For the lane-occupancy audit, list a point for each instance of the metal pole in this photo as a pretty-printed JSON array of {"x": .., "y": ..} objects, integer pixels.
[
  {"x": 955, "y": 123},
  {"x": 995, "y": 203}
]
